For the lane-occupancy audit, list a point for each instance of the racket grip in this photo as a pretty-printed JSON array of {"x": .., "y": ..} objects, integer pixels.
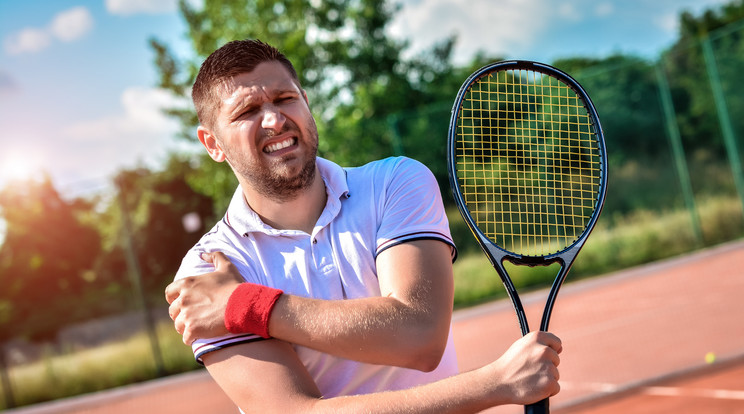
[{"x": 540, "y": 407}]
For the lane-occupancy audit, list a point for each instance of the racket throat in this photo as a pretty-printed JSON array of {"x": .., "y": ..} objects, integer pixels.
[
  {"x": 511, "y": 290},
  {"x": 524, "y": 325}
]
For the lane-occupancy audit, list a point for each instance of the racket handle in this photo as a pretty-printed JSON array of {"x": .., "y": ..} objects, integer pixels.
[{"x": 540, "y": 407}]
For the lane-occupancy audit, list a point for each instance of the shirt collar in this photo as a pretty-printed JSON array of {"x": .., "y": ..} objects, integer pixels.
[{"x": 244, "y": 220}]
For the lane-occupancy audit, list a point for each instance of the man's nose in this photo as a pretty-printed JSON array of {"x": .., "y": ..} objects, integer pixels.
[{"x": 272, "y": 118}]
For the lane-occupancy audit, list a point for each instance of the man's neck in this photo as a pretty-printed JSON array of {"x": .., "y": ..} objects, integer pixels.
[{"x": 298, "y": 213}]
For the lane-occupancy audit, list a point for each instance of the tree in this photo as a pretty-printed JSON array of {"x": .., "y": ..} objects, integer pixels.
[
  {"x": 167, "y": 218},
  {"x": 625, "y": 92},
  {"x": 689, "y": 78},
  {"x": 355, "y": 75},
  {"x": 45, "y": 261}
]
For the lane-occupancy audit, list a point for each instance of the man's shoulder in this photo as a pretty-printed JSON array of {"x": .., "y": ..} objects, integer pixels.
[
  {"x": 386, "y": 167},
  {"x": 222, "y": 237}
]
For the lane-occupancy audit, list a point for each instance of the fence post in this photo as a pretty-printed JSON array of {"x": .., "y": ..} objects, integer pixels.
[
  {"x": 729, "y": 137},
  {"x": 5, "y": 379},
  {"x": 677, "y": 151},
  {"x": 136, "y": 276}
]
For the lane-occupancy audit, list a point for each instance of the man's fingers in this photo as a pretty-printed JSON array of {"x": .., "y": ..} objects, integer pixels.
[
  {"x": 172, "y": 291},
  {"x": 187, "y": 337},
  {"x": 213, "y": 257},
  {"x": 554, "y": 344},
  {"x": 555, "y": 359},
  {"x": 556, "y": 390},
  {"x": 174, "y": 309},
  {"x": 218, "y": 260},
  {"x": 550, "y": 340}
]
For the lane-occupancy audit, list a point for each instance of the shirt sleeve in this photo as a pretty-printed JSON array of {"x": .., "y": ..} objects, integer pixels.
[
  {"x": 193, "y": 265},
  {"x": 411, "y": 207}
]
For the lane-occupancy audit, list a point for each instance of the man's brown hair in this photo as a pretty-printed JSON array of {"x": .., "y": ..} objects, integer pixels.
[{"x": 232, "y": 59}]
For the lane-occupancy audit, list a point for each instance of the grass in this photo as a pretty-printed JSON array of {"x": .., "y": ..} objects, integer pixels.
[
  {"x": 74, "y": 372},
  {"x": 639, "y": 238},
  {"x": 617, "y": 243}
]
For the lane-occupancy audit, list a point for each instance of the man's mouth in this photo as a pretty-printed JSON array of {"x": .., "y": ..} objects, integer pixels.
[{"x": 280, "y": 145}]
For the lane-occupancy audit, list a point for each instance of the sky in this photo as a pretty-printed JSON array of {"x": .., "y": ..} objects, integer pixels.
[{"x": 77, "y": 95}]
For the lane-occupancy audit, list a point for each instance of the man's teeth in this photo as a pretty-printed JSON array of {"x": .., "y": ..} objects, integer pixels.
[{"x": 279, "y": 145}]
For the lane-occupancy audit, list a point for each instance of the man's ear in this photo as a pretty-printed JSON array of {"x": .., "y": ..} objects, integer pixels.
[
  {"x": 304, "y": 95},
  {"x": 207, "y": 138}
]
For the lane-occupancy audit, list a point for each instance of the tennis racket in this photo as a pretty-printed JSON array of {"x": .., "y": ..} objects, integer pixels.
[{"x": 528, "y": 169}]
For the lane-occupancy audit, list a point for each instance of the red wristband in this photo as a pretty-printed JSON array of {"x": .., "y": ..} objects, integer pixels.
[{"x": 249, "y": 307}]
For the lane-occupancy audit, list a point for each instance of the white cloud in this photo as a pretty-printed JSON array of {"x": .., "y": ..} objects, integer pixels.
[
  {"x": 129, "y": 7},
  {"x": 66, "y": 26},
  {"x": 72, "y": 24},
  {"x": 28, "y": 40},
  {"x": 668, "y": 22},
  {"x": 604, "y": 9},
  {"x": 568, "y": 11},
  {"x": 478, "y": 24},
  {"x": 140, "y": 132},
  {"x": 142, "y": 115}
]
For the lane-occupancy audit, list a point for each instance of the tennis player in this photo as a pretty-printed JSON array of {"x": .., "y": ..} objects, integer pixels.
[{"x": 327, "y": 289}]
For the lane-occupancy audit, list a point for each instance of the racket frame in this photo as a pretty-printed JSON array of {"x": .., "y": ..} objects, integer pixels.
[{"x": 496, "y": 254}]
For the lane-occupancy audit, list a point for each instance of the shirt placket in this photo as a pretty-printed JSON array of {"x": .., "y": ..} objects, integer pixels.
[{"x": 325, "y": 265}]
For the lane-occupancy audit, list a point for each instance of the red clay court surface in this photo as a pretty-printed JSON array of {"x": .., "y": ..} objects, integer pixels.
[{"x": 634, "y": 342}]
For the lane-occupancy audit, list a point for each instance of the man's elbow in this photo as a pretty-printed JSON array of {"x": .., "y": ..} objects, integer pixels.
[
  {"x": 428, "y": 363},
  {"x": 425, "y": 352}
]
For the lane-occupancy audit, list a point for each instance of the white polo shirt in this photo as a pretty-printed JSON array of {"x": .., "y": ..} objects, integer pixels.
[{"x": 369, "y": 209}]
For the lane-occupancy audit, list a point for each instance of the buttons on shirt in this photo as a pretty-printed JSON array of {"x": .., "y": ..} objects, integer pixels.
[{"x": 322, "y": 253}]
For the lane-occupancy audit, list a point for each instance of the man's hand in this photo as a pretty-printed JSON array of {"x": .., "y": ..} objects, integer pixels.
[
  {"x": 529, "y": 368},
  {"x": 197, "y": 303}
]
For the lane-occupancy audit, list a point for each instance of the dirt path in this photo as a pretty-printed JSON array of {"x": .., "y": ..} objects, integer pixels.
[{"x": 627, "y": 337}]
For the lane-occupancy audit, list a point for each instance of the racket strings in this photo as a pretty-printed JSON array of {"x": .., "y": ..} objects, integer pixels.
[{"x": 528, "y": 161}]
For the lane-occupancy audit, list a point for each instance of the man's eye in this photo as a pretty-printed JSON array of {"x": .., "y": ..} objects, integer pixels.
[{"x": 247, "y": 112}]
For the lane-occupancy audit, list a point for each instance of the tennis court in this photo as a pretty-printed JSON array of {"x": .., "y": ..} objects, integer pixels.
[
  {"x": 633, "y": 329},
  {"x": 635, "y": 341}
]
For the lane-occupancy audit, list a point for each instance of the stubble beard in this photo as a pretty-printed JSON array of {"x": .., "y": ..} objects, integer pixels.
[{"x": 279, "y": 183}]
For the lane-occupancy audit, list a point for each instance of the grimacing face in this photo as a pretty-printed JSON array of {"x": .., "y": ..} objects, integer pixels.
[{"x": 264, "y": 129}]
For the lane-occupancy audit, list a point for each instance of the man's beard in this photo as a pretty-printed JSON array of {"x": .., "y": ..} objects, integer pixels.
[{"x": 273, "y": 184}]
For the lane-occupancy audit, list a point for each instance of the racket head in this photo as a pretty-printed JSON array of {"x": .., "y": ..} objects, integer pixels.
[{"x": 527, "y": 161}]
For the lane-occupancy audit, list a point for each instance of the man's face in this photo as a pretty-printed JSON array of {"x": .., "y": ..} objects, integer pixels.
[{"x": 266, "y": 131}]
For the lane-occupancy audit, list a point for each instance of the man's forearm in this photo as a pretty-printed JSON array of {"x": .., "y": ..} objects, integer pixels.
[
  {"x": 469, "y": 392},
  {"x": 377, "y": 330},
  {"x": 268, "y": 377}
]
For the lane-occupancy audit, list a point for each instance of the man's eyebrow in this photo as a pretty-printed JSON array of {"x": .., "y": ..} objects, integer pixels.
[{"x": 237, "y": 102}]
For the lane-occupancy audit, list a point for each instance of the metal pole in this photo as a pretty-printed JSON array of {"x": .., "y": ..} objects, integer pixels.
[
  {"x": 5, "y": 378},
  {"x": 677, "y": 150},
  {"x": 136, "y": 276},
  {"x": 729, "y": 138}
]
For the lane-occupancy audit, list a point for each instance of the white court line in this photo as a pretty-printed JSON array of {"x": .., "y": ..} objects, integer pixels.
[
  {"x": 694, "y": 392},
  {"x": 657, "y": 391},
  {"x": 590, "y": 386}
]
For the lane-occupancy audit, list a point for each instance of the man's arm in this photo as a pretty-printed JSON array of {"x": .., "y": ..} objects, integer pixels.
[
  {"x": 407, "y": 326},
  {"x": 267, "y": 377}
]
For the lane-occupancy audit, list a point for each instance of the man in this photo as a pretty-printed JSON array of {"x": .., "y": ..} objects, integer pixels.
[{"x": 349, "y": 301}]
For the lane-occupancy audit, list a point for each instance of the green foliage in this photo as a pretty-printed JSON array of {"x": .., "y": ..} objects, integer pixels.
[
  {"x": 44, "y": 259},
  {"x": 73, "y": 372},
  {"x": 157, "y": 204},
  {"x": 687, "y": 70},
  {"x": 366, "y": 97},
  {"x": 625, "y": 93},
  {"x": 634, "y": 239},
  {"x": 63, "y": 260}
]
